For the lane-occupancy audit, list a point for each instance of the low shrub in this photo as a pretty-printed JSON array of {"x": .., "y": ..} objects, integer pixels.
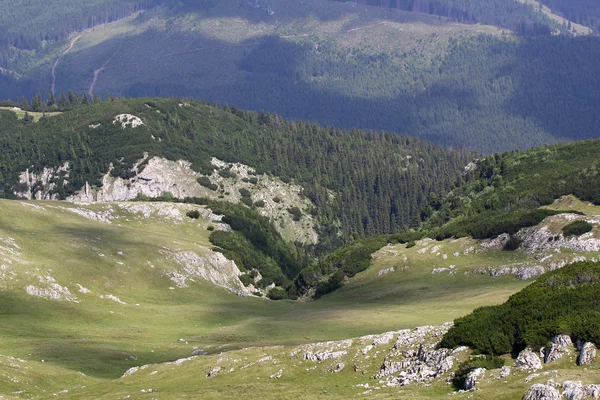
[
  {"x": 277, "y": 293},
  {"x": 195, "y": 214},
  {"x": 512, "y": 244},
  {"x": 577, "y": 228}
]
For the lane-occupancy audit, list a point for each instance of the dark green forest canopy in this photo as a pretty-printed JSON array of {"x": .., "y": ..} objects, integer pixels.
[{"x": 359, "y": 182}]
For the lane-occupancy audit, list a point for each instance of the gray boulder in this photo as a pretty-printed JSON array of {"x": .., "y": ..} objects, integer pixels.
[
  {"x": 592, "y": 391},
  {"x": 573, "y": 390},
  {"x": 542, "y": 392},
  {"x": 473, "y": 378},
  {"x": 560, "y": 345},
  {"x": 528, "y": 360},
  {"x": 587, "y": 353}
]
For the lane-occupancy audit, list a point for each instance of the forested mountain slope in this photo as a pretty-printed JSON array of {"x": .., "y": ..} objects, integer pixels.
[
  {"x": 335, "y": 63},
  {"x": 358, "y": 182}
]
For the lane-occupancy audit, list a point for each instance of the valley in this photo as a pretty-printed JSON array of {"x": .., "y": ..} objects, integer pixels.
[{"x": 315, "y": 199}]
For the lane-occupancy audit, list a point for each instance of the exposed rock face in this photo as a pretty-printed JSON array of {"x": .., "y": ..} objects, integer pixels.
[
  {"x": 473, "y": 377},
  {"x": 560, "y": 346},
  {"x": 528, "y": 360},
  {"x": 127, "y": 120},
  {"x": 161, "y": 176},
  {"x": 542, "y": 392},
  {"x": 587, "y": 353},
  {"x": 213, "y": 267},
  {"x": 541, "y": 238},
  {"x": 39, "y": 186}
]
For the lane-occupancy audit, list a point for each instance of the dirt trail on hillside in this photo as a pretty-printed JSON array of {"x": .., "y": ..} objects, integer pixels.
[
  {"x": 59, "y": 58},
  {"x": 97, "y": 72}
]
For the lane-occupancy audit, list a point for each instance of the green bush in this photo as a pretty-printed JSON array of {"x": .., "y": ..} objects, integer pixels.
[
  {"x": 195, "y": 214},
  {"x": 577, "y": 228},
  {"x": 512, "y": 244},
  {"x": 563, "y": 301},
  {"x": 210, "y": 228},
  {"x": 296, "y": 213},
  {"x": 227, "y": 173},
  {"x": 245, "y": 192},
  {"x": 277, "y": 293},
  {"x": 276, "y": 199},
  {"x": 410, "y": 244},
  {"x": 253, "y": 180},
  {"x": 247, "y": 201},
  {"x": 259, "y": 203},
  {"x": 207, "y": 183},
  {"x": 246, "y": 280}
]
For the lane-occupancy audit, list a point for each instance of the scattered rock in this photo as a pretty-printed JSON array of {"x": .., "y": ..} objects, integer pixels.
[
  {"x": 214, "y": 371},
  {"x": 542, "y": 392},
  {"x": 277, "y": 375},
  {"x": 504, "y": 372},
  {"x": 338, "y": 368}
]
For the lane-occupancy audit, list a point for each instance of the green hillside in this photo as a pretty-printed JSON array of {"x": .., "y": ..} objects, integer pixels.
[{"x": 395, "y": 174}]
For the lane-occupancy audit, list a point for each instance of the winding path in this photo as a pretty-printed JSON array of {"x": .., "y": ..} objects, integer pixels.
[{"x": 58, "y": 60}]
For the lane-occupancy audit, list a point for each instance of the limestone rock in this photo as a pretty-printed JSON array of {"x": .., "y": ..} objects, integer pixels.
[
  {"x": 587, "y": 353},
  {"x": 277, "y": 375},
  {"x": 560, "y": 345},
  {"x": 504, "y": 372},
  {"x": 214, "y": 371},
  {"x": 573, "y": 390},
  {"x": 473, "y": 377},
  {"x": 528, "y": 360},
  {"x": 338, "y": 368},
  {"x": 592, "y": 391},
  {"x": 542, "y": 392}
]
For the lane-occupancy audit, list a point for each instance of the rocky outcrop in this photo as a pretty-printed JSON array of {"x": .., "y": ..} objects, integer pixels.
[
  {"x": 542, "y": 392},
  {"x": 587, "y": 353},
  {"x": 127, "y": 120},
  {"x": 473, "y": 378},
  {"x": 213, "y": 267},
  {"x": 559, "y": 346},
  {"x": 42, "y": 185},
  {"x": 416, "y": 358},
  {"x": 540, "y": 238},
  {"x": 528, "y": 360},
  {"x": 160, "y": 176}
]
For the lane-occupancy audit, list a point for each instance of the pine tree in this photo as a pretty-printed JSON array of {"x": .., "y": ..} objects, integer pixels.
[
  {"x": 51, "y": 100},
  {"x": 62, "y": 101},
  {"x": 24, "y": 103}
]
